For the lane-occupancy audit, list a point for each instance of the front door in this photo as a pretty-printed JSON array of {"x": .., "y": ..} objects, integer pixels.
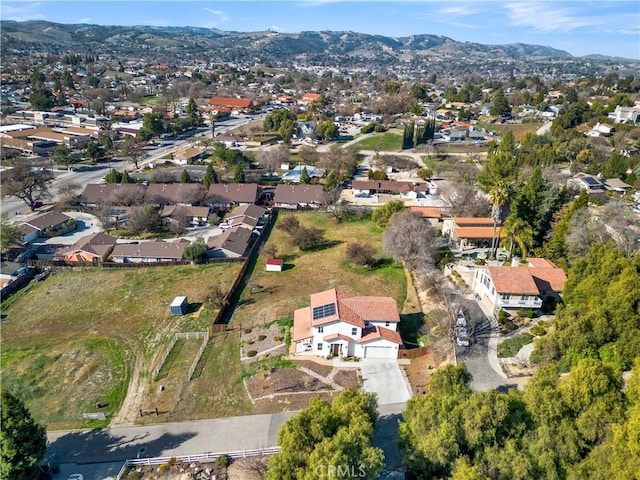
[{"x": 336, "y": 349}]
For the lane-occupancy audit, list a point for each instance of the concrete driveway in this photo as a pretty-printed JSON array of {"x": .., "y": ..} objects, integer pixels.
[{"x": 383, "y": 377}]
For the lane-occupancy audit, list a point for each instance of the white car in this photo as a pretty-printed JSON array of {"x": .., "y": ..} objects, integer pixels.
[
  {"x": 75, "y": 476},
  {"x": 224, "y": 226},
  {"x": 463, "y": 342}
]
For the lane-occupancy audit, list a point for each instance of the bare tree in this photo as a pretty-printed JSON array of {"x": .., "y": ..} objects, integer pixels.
[
  {"x": 133, "y": 150},
  {"x": 410, "y": 238},
  {"x": 105, "y": 216},
  {"x": 193, "y": 194},
  {"x": 361, "y": 254},
  {"x": 308, "y": 154},
  {"x": 467, "y": 201},
  {"x": 271, "y": 158},
  {"x": 145, "y": 218},
  {"x": 179, "y": 220},
  {"x": 28, "y": 184}
]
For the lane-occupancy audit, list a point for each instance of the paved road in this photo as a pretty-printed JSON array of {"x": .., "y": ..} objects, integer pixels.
[{"x": 165, "y": 439}]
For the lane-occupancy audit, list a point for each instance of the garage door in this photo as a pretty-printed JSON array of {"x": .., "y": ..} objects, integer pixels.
[{"x": 380, "y": 352}]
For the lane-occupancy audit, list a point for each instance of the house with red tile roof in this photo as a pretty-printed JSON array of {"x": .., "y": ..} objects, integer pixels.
[
  {"x": 521, "y": 285},
  {"x": 338, "y": 323},
  {"x": 308, "y": 98},
  {"x": 471, "y": 232},
  {"x": 231, "y": 103}
]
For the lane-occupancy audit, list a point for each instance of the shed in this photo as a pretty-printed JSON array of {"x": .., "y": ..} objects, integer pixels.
[
  {"x": 274, "y": 264},
  {"x": 179, "y": 306}
]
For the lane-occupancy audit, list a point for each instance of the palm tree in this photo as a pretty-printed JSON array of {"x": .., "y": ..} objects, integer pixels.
[
  {"x": 521, "y": 233},
  {"x": 498, "y": 196}
]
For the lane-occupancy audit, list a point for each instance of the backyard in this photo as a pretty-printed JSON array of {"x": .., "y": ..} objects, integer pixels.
[
  {"x": 72, "y": 342},
  {"x": 390, "y": 141}
]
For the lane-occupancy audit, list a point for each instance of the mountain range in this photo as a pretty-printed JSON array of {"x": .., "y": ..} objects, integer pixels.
[{"x": 329, "y": 48}]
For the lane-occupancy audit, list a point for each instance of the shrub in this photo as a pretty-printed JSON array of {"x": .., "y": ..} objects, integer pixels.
[
  {"x": 222, "y": 461},
  {"x": 526, "y": 313},
  {"x": 503, "y": 317},
  {"x": 379, "y": 128},
  {"x": 278, "y": 338},
  {"x": 261, "y": 337},
  {"x": 247, "y": 330},
  {"x": 511, "y": 346},
  {"x": 361, "y": 254},
  {"x": 538, "y": 330},
  {"x": 251, "y": 353}
]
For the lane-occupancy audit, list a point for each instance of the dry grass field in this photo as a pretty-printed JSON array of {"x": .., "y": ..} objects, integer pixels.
[
  {"x": 277, "y": 294},
  {"x": 72, "y": 341}
]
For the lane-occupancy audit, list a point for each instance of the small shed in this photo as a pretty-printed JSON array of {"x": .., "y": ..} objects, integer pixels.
[
  {"x": 179, "y": 306},
  {"x": 274, "y": 264}
]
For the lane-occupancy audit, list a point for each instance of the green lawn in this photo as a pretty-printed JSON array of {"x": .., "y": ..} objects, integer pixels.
[
  {"x": 390, "y": 141},
  {"x": 71, "y": 341}
]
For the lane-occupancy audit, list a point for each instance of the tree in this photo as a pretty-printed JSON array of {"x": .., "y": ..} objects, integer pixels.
[
  {"x": 327, "y": 130},
  {"x": 42, "y": 99},
  {"x": 361, "y": 254},
  {"x": 304, "y": 176},
  {"x": 307, "y": 238},
  {"x": 133, "y": 150},
  {"x": 498, "y": 196},
  {"x": 193, "y": 115},
  {"x": 271, "y": 158},
  {"x": 323, "y": 435},
  {"x": 382, "y": 214},
  {"x": 425, "y": 173},
  {"x": 410, "y": 238},
  {"x": 196, "y": 251},
  {"x": 9, "y": 233},
  {"x": 145, "y": 218},
  {"x": 28, "y": 184},
  {"x": 500, "y": 104},
  {"x": 210, "y": 176},
  {"x": 520, "y": 233},
  {"x": 185, "y": 177},
  {"x": 92, "y": 151},
  {"x": 23, "y": 442},
  {"x": 332, "y": 181},
  {"x": 62, "y": 155},
  {"x": 238, "y": 174},
  {"x": 152, "y": 125}
]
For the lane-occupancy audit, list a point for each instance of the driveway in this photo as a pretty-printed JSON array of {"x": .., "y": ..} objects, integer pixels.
[{"x": 383, "y": 377}]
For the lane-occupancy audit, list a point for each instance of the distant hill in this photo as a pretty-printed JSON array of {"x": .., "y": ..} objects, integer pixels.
[{"x": 340, "y": 49}]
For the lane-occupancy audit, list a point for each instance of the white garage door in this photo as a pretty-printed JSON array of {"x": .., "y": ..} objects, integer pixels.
[{"x": 380, "y": 352}]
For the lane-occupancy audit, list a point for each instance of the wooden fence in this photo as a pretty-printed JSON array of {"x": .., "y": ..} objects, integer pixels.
[
  {"x": 205, "y": 341},
  {"x": 414, "y": 352},
  {"x": 62, "y": 264},
  {"x": 18, "y": 283}
]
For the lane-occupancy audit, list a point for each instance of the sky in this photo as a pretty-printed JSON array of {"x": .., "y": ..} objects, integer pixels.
[{"x": 580, "y": 27}]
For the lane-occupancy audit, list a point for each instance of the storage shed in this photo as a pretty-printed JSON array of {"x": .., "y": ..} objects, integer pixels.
[
  {"x": 179, "y": 306},
  {"x": 274, "y": 264}
]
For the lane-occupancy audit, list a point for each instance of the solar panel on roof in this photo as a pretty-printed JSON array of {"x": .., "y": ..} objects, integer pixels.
[{"x": 324, "y": 311}]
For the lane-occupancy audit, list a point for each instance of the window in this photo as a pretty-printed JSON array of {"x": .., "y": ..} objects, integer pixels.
[
  {"x": 525, "y": 298},
  {"x": 386, "y": 324},
  {"x": 320, "y": 329},
  {"x": 320, "y": 346},
  {"x": 493, "y": 290},
  {"x": 354, "y": 331},
  {"x": 506, "y": 297},
  {"x": 324, "y": 311}
]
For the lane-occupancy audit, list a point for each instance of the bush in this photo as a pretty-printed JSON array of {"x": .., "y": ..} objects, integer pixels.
[
  {"x": 538, "y": 330},
  {"x": 361, "y": 254},
  {"x": 511, "y": 346},
  {"x": 247, "y": 330},
  {"x": 278, "y": 338},
  {"x": 503, "y": 317},
  {"x": 526, "y": 313},
  {"x": 251, "y": 353},
  {"x": 379, "y": 128},
  {"x": 223, "y": 461},
  {"x": 261, "y": 337}
]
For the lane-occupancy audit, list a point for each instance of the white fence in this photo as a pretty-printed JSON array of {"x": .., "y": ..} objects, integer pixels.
[
  {"x": 202, "y": 458},
  {"x": 184, "y": 336},
  {"x": 193, "y": 335},
  {"x": 205, "y": 341}
]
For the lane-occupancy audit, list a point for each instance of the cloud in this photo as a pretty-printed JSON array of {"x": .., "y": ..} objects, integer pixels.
[
  {"x": 22, "y": 13},
  {"x": 544, "y": 18},
  {"x": 221, "y": 17},
  {"x": 458, "y": 11},
  {"x": 84, "y": 20}
]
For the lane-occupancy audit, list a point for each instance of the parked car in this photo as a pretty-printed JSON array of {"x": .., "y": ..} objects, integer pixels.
[
  {"x": 463, "y": 342},
  {"x": 461, "y": 321},
  {"x": 224, "y": 226}
]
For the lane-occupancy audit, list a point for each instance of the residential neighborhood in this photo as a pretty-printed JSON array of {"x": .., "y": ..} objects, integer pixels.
[{"x": 207, "y": 260}]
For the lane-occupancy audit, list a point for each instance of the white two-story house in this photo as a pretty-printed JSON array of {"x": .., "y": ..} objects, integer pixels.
[
  {"x": 340, "y": 324},
  {"x": 519, "y": 286}
]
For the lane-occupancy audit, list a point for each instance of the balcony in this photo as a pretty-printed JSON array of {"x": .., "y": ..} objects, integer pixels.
[{"x": 532, "y": 302}]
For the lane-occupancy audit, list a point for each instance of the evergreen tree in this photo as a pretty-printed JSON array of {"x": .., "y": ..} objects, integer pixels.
[
  {"x": 185, "y": 177},
  {"x": 332, "y": 180},
  {"x": 210, "y": 176},
  {"x": 125, "y": 177},
  {"x": 113, "y": 176},
  {"x": 238, "y": 174},
  {"x": 304, "y": 176},
  {"x": 23, "y": 442}
]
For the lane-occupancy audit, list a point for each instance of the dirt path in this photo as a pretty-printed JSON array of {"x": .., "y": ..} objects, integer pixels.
[{"x": 130, "y": 408}]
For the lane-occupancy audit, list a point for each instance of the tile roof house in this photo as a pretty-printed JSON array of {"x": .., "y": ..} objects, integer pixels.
[
  {"x": 188, "y": 155},
  {"x": 90, "y": 248},
  {"x": 48, "y": 225},
  {"x": 298, "y": 196},
  {"x": 148, "y": 252},
  {"x": 365, "y": 188},
  {"x": 227, "y": 194},
  {"x": 470, "y": 232},
  {"x": 519, "y": 286},
  {"x": 232, "y": 243},
  {"x": 340, "y": 324},
  {"x": 231, "y": 103}
]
